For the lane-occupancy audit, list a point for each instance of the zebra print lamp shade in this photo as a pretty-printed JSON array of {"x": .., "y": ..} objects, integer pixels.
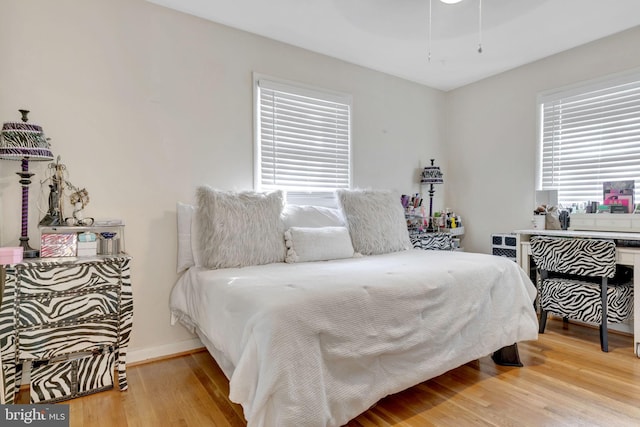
[
  {"x": 24, "y": 141},
  {"x": 20, "y": 140},
  {"x": 431, "y": 175}
]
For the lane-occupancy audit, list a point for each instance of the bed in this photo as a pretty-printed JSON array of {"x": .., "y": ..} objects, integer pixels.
[{"x": 318, "y": 337}]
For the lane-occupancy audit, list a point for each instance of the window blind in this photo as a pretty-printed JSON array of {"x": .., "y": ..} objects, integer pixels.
[
  {"x": 303, "y": 139},
  {"x": 590, "y": 135}
]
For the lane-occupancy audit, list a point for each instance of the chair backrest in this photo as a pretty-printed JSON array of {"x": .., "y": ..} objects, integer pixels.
[{"x": 581, "y": 256}]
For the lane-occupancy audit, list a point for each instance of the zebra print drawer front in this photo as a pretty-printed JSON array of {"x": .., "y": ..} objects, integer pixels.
[
  {"x": 67, "y": 379},
  {"x": 46, "y": 278},
  {"x": 51, "y": 308},
  {"x": 56, "y": 340}
]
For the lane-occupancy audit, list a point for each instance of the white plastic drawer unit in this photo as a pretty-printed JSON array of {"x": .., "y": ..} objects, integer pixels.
[
  {"x": 71, "y": 318},
  {"x": 504, "y": 245}
]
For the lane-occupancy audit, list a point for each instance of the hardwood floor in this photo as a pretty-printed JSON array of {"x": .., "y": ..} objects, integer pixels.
[{"x": 566, "y": 381}]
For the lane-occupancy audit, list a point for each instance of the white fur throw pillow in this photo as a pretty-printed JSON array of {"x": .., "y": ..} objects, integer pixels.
[
  {"x": 317, "y": 244},
  {"x": 376, "y": 221},
  {"x": 238, "y": 229}
]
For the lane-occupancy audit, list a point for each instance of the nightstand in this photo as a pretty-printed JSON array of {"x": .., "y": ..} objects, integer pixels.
[{"x": 70, "y": 318}]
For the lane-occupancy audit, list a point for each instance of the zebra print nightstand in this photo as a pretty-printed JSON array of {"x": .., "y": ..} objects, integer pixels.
[
  {"x": 446, "y": 240},
  {"x": 431, "y": 241},
  {"x": 71, "y": 318}
]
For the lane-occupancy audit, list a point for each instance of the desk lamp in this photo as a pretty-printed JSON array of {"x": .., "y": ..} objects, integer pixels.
[
  {"x": 24, "y": 141},
  {"x": 431, "y": 175}
]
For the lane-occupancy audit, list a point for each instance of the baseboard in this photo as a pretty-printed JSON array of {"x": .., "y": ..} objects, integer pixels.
[{"x": 137, "y": 356}]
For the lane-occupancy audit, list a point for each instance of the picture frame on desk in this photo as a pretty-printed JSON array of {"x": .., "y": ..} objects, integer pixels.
[{"x": 619, "y": 193}]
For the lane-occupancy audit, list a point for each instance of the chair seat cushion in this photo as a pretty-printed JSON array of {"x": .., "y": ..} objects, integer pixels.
[{"x": 580, "y": 300}]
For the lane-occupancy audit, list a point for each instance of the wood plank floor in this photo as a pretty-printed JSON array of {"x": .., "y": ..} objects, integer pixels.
[{"x": 566, "y": 381}]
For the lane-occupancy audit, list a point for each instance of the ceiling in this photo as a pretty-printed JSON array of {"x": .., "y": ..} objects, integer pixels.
[{"x": 392, "y": 36}]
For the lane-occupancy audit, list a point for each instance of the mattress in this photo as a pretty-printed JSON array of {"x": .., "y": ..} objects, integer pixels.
[{"x": 317, "y": 343}]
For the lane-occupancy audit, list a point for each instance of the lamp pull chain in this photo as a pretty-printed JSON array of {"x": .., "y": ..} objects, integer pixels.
[
  {"x": 479, "y": 26},
  {"x": 429, "y": 41}
]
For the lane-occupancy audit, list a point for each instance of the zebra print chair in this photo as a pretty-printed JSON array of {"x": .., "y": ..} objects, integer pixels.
[{"x": 567, "y": 288}]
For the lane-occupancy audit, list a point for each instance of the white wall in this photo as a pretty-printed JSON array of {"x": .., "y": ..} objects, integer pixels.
[
  {"x": 491, "y": 134},
  {"x": 144, "y": 103}
]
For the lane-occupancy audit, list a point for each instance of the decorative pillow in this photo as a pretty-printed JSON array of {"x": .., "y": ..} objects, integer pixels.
[
  {"x": 375, "y": 219},
  {"x": 238, "y": 229},
  {"x": 317, "y": 244},
  {"x": 311, "y": 216}
]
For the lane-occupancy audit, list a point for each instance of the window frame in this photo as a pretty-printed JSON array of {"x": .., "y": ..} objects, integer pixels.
[
  {"x": 323, "y": 198},
  {"x": 564, "y": 92}
]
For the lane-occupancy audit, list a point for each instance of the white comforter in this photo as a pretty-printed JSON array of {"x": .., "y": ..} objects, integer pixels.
[{"x": 316, "y": 344}]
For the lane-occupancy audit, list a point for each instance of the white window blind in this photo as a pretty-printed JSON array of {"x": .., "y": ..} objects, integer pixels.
[
  {"x": 303, "y": 139},
  {"x": 590, "y": 135}
]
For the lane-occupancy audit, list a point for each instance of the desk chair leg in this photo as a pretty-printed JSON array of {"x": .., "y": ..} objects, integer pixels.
[
  {"x": 604, "y": 344},
  {"x": 543, "y": 321}
]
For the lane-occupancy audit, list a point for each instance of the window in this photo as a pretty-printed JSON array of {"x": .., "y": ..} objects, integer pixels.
[
  {"x": 589, "y": 135},
  {"x": 303, "y": 140}
]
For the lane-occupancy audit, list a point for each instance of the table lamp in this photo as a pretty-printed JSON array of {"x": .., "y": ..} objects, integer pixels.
[
  {"x": 24, "y": 141},
  {"x": 431, "y": 175}
]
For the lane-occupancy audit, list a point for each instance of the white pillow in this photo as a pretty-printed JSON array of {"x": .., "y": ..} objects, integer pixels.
[
  {"x": 188, "y": 245},
  {"x": 238, "y": 229},
  {"x": 311, "y": 216},
  {"x": 317, "y": 244},
  {"x": 185, "y": 252},
  {"x": 375, "y": 219}
]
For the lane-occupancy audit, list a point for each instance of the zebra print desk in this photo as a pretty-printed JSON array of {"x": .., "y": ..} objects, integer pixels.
[
  {"x": 624, "y": 256},
  {"x": 71, "y": 318}
]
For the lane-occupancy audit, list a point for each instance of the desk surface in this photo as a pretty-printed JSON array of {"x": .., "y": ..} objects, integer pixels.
[{"x": 581, "y": 233}]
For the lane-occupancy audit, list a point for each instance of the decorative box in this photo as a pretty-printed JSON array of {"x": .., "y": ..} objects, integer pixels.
[
  {"x": 96, "y": 233},
  {"x": 58, "y": 245},
  {"x": 87, "y": 248},
  {"x": 11, "y": 255},
  {"x": 87, "y": 236}
]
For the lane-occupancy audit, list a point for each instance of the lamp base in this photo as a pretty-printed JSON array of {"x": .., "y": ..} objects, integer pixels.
[
  {"x": 431, "y": 228},
  {"x": 28, "y": 251}
]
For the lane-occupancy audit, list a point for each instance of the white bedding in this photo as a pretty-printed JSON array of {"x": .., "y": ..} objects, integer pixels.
[{"x": 316, "y": 344}]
